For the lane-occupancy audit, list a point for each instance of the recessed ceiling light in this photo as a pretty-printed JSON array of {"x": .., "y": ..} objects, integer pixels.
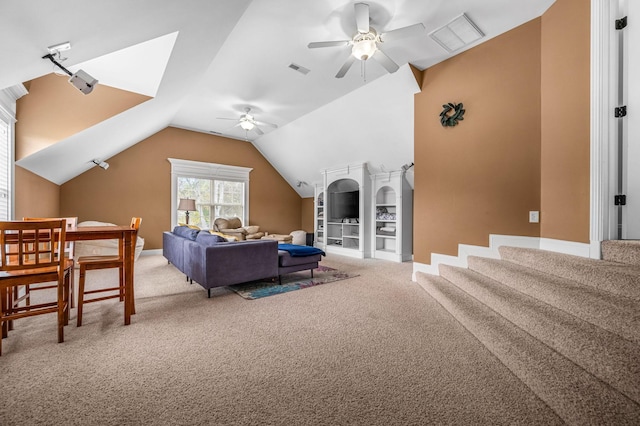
[{"x": 456, "y": 34}]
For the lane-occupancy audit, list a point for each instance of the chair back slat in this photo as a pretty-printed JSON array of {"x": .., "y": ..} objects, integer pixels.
[{"x": 32, "y": 244}]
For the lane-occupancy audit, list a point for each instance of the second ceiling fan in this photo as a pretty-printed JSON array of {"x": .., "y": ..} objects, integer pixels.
[
  {"x": 248, "y": 123},
  {"x": 366, "y": 42}
]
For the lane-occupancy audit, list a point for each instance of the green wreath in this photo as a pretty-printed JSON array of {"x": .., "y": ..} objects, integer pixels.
[{"x": 451, "y": 114}]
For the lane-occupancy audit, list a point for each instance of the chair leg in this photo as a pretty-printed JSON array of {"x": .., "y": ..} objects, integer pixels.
[
  {"x": 80, "y": 296},
  {"x": 61, "y": 310}
]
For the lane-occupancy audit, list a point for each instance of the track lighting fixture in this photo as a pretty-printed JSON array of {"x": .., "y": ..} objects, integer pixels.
[
  {"x": 407, "y": 167},
  {"x": 101, "y": 163},
  {"x": 80, "y": 80}
]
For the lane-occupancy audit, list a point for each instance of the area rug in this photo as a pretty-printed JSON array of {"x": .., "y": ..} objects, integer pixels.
[{"x": 290, "y": 282}]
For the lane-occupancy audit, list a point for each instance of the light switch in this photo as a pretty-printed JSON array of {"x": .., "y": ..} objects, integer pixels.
[{"x": 534, "y": 217}]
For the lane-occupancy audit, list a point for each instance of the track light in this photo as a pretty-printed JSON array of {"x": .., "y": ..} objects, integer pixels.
[
  {"x": 101, "y": 163},
  {"x": 407, "y": 167},
  {"x": 80, "y": 80}
]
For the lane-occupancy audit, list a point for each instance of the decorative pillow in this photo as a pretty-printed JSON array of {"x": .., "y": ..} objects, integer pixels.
[
  {"x": 234, "y": 223},
  {"x": 225, "y": 236},
  {"x": 252, "y": 229},
  {"x": 207, "y": 239},
  {"x": 189, "y": 226},
  {"x": 186, "y": 232}
]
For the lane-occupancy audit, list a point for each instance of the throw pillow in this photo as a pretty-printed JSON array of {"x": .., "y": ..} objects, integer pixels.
[
  {"x": 253, "y": 229},
  {"x": 186, "y": 232},
  {"x": 208, "y": 239},
  {"x": 225, "y": 236}
]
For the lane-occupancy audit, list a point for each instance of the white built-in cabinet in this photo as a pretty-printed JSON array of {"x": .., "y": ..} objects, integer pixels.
[
  {"x": 392, "y": 217},
  {"x": 342, "y": 216}
]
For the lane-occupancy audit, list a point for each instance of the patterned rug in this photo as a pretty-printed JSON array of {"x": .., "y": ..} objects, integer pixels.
[{"x": 290, "y": 282}]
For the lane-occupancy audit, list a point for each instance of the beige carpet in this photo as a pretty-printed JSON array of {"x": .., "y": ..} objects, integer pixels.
[
  {"x": 567, "y": 326},
  {"x": 371, "y": 350}
]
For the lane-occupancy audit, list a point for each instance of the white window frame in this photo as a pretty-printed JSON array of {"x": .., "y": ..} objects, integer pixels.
[
  {"x": 213, "y": 171},
  {"x": 8, "y": 98}
]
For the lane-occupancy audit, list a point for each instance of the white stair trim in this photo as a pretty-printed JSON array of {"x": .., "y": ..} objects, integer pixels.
[{"x": 495, "y": 241}]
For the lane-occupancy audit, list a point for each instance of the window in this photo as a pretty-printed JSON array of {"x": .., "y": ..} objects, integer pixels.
[
  {"x": 5, "y": 168},
  {"x": 8, "y": 99},
  {"x": 214, "y": 198},
  {"x": 219, "y": 191}
]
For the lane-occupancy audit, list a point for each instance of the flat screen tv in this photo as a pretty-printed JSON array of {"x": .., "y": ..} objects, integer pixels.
[{"x": 345, "y": 205}]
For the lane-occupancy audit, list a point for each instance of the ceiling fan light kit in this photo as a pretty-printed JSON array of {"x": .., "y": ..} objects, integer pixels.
[
  {"x": 365, "y": 44},
  {"x": 248, "y": 123}
]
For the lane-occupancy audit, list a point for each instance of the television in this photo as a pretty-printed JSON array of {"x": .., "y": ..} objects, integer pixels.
[{"x": 344, "y": 205}]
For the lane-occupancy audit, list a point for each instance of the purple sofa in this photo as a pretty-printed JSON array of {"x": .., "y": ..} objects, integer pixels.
[{"x": 211, "y": 261}]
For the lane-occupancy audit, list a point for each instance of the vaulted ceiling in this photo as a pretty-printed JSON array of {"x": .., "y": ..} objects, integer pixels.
[{"x": 199, "y": 62}]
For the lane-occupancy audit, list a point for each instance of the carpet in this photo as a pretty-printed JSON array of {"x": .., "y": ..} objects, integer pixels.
[{"x": 290, "y": 282}]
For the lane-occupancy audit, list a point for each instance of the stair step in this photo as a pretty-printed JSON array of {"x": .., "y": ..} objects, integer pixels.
[
  {"x": 614, "y": 277},
  {"x": 614, "y": 313},
  {"x": 622, "y": 251},
  {"x": 575, "y": 395},
  {"x": 602, "y": 353}
]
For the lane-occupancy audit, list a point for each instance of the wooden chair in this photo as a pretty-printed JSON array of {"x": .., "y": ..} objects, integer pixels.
[
  {"x": 32, "y": 252},
  {"x": 69, "y": 252},
  {"x": 88, "y": 263}
]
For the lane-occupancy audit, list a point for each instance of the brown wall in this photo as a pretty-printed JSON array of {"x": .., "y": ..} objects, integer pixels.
[
  {"x": 524, "y": 143},
  {"x": 565, "y": 121},
  {"x": 35, "y": 196},
  {"x": 482, "y": 176},
  {"x": 54, "y": 110},
  {"x": 138, "y": 183}
]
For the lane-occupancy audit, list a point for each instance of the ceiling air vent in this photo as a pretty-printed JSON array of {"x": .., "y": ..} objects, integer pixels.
[
  {"x": 457, "y": 34},
  {"x": 299, "y": 68}
]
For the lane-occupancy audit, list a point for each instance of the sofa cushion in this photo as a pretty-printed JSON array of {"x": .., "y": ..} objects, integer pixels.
[
  {"x": 207, "y": 239},
  {"x": 186, "y": 232}
]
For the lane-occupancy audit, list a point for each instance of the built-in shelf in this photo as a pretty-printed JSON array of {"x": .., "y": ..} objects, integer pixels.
[{"x": 392, "y": 217}]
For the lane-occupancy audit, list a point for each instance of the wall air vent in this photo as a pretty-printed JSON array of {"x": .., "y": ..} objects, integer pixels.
[
  {"x": 299, "y": 68},
  {"x": 457, "y": 34}
]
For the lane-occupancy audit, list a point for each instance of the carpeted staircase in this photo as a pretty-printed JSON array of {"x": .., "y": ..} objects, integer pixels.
[{"x": 567, "y": 326}]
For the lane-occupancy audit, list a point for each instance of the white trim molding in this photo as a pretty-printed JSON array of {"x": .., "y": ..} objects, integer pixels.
[
  {"x": 207, "y": 171},
  {"x": 603, "y": 83},
  {"x": 495, "y": 241}
]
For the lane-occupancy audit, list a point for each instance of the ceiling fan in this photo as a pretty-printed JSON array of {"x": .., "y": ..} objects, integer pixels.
[
  {"x": 248, "y": 123},
  {"x": 366, "y": 42}
]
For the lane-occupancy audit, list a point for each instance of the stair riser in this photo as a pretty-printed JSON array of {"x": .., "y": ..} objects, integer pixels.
[
  {"x": 615, "y": 314},
  {"x": 605, "y": 355},
  {"x": 618, "y": 278},
  {"x": 574, "y": 394}
]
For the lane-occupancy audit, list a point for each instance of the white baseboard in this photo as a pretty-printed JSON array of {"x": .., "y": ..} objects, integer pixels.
[
  {"x": 151, "y": 252},
  {"x": 495, "y": 241}
]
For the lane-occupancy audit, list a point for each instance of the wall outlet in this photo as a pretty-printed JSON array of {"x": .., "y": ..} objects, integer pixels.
[{"x": 534, "y": 217}]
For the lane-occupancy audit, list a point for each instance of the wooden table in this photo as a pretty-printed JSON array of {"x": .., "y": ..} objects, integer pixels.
[{"x": 125, "y": 237}]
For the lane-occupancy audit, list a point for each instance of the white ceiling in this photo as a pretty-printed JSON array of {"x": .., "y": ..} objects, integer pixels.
[{"x": 204, "y": 59}]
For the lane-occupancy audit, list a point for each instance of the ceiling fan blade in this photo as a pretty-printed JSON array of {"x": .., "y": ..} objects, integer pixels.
[
  {"x": 362, "y": 17},
  {"x": 225, "y": 118},
  {"x": 385, "y": 61},
  {"x": 262, "y": 123},
  {"x": 398, "y": 33},
  {"x": 350, "y": 60},
  {"x": 317, "y": 44},
  {"x": 258, "y": 131}
]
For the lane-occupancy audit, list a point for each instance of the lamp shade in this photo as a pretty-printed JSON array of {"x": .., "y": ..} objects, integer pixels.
[{"x": 187, "y": 204}]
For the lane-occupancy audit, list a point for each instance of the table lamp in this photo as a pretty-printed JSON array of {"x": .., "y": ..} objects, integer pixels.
[{"x": 188, "y": 205}]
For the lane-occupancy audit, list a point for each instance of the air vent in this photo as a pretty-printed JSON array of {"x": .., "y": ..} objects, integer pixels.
[
  {"x": 299, "y": 68},
  {"x": 214, "y": 132},
  {"x": 457, "y": 34}
]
